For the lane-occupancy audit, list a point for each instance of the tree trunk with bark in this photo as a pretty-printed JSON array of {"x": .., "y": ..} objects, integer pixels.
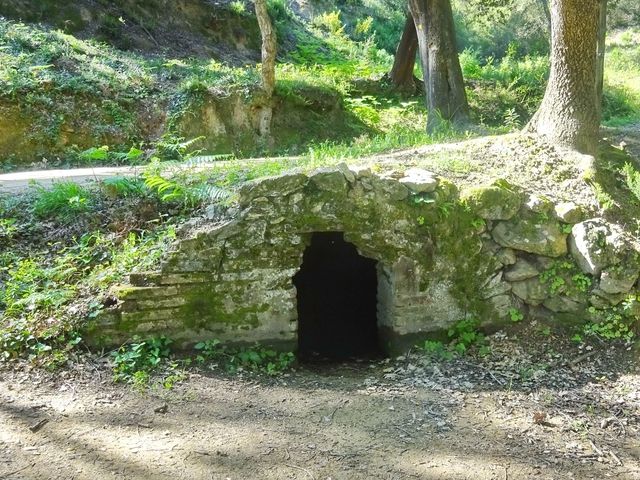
[
  {"x": 444, "y": 85},
  {"x": 401, "y": 74},
  {"x": 569, "y": 114},
  {"x": 269, "y": 47},
  {"x": 602, "y": 35}
]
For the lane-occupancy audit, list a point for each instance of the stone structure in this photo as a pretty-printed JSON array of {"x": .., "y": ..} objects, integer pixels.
[{"x": 442, "y": 256}]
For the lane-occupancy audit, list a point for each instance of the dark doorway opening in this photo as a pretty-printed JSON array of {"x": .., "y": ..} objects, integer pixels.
[{"x": 337, "y": 301}]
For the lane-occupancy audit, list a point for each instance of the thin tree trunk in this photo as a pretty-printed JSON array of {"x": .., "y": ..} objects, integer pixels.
[
  {"x": 444, "y": 85},
  {"x": 602, "y": 35},
  {"x": 269, "y": 47},
  {"x": 401, "y": 74},
  {"x": 569, "y": 114},
  {"x": 545, "y": 8}
]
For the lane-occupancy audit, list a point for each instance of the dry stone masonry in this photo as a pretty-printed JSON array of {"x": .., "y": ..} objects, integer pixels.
[{"x": 442, "y": 256}]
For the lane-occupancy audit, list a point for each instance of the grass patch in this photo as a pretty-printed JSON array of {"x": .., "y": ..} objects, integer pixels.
[{"x": 64, "y": 200}]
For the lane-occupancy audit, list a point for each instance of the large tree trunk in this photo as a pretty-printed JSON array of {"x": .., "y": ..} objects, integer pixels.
[
  {"x": 444, "y": 86},
  {"x": 602, "y": 35},
  {"x": 269, "y": 47},
  {"x": 569, "y": 114},
  {"x": 401, "y": 74}
]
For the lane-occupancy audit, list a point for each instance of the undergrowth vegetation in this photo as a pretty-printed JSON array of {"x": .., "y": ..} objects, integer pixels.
[
  {"x": 88, "y": 103},
  {"x": 137, "y": 363},
  {"x": 75, "y": 253}
]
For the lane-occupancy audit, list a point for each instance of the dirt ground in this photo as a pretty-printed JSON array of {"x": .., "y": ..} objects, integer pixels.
[{"x": 538, "y": 408}]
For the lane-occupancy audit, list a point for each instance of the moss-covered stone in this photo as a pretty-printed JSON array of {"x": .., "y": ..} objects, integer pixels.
[
  {"x": 499, "y": 201},
  {"x": 533, "y": 235}
]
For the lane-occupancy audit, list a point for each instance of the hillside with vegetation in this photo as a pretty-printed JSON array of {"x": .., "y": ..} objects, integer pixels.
[{"x": 115, "y": 78}]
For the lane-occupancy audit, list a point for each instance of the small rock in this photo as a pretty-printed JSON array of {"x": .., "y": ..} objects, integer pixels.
[
  {"x": 522, "y": 270},
  {"x": 390, "y": 188},
  {"x": 506, "y": 256},
  {"x": 529, "y": 235},
  {"x": 531, "y": 291},
  {"x": 329, "y": 180},
  {"x": 596, "y": 244},
  {"x": 537, "y": 204},
  {"x": 419, "y": 181},
  {"x": 569, "y": 212},
  {"x": 560, "y": 304},
  {"x": 619, "y": 279}
]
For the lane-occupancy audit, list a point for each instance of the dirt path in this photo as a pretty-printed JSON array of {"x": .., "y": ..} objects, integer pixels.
[{"x": 510, "y": 417}]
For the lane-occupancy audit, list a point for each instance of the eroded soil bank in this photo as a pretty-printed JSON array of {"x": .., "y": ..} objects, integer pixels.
[{"x": 551, "y": 411}]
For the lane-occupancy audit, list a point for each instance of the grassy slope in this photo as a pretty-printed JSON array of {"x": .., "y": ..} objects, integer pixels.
[{"x": 60, "y": 94}]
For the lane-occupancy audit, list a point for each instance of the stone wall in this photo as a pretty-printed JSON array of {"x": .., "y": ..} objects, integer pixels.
[{"x": 492, "y": 253}]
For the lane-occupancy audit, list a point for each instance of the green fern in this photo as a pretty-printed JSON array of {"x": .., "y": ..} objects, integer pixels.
[{"x": 632, "y": 178}]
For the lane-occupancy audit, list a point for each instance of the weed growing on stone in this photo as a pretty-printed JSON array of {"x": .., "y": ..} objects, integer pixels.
[
  {"x": 632, "y": 179},
  {"x": 515, "y": 315},
  {"x": 564, "y": 277}
]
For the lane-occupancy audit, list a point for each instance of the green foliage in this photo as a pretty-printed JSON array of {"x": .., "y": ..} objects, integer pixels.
[
  {"x": 103, "y": 155},
  {"x": 496, "y": 27},
  {"x": 8, "y": 228},
  {"x": 330, "y": 23},
  {"x": 504, "y": 93},
  {"x": 435, "y": 349},
  {"x": 632, "y": 179},
  {"x": 363, "y": 27},
  {"x": 123, "y": 187},
  {"x": 615, "y": 322},
  {"x": 63, "y": 200},
  {"x": 515, "y": 315},
  {"x": 563, "y": 277},
  {"x": 463, "y": 335},
  {"x": 183, "y": 187},
  {"x": 133, "y": 363},
  {"x": 253, "y": 359},
  {"x": 50, "y": 350},
  {"x": 237, "y": 7},
  {"x": 45, "y": 297}
]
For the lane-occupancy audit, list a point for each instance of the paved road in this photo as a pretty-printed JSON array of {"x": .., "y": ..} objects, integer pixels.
[{"x": 19, "y": 181}]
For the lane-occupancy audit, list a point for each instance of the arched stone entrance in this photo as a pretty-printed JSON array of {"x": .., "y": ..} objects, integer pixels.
[
  {"x": 336, "y": 300},
  {"x": 236, "y": 281}
]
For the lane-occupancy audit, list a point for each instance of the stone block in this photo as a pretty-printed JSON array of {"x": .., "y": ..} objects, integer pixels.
[
  {"x": 530, "y": 235},
  {"x": 145, "y": 279},
  {"x": 522, "y": 270},
  {"x": 419, "y": 180},
  {"x": 531, "y": 291},
  {"x": 124, "y": 292},
  {"x": 329, "y": 180},
  {"x": 569, "y": 212},
  {"x": 185, "y": 278}
]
